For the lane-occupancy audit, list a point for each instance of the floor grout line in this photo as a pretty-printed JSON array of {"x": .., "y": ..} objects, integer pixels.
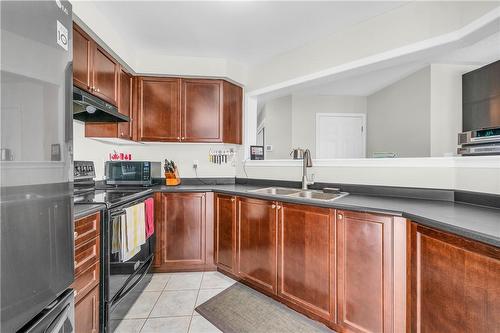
[
  {"x": 149, "y": 314},
  {"x": 195, "y": 302},
  {"x": 164, "y": 291}
]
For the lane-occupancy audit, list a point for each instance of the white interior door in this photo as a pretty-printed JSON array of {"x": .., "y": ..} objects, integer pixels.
[{"x": 340, "y": 135}]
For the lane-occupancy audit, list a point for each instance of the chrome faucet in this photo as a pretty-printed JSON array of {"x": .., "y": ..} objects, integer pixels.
[{"x": 306, "y": 163}]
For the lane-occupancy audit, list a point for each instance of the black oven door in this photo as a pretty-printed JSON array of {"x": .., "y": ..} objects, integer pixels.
[{"x": 125, "y": 275}]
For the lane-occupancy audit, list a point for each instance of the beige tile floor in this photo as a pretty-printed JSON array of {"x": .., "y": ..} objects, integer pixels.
[{"x": 167, "y": 304}]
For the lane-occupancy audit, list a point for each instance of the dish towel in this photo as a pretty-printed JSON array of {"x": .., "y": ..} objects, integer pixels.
[
  {"x": 126, "y": 254},
  {"x": 136, "y": 226},
  {"x": 150, "y": 224},
  {"x": 116, "y": 235}
]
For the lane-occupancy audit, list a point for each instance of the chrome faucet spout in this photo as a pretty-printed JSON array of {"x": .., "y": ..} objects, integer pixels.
[{"x": 306, "y": 163}]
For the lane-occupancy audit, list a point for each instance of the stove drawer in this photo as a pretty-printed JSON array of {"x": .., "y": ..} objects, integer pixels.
[
  {"x": 86, "y": 229},
  {"x": 87, "y": 280},
  {"x": 86, "y": 255}
]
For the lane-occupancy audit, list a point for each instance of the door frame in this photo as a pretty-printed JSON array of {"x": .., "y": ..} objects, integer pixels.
[{"x": 332, "y": 114}]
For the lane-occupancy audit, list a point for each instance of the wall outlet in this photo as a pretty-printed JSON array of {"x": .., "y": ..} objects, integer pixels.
[{"x": 195, "y": 164}]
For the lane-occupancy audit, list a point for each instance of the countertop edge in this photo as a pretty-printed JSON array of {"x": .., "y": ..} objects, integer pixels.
[
  {"x": 85, "y": 210},
  {"x": 474, "y": 235}
]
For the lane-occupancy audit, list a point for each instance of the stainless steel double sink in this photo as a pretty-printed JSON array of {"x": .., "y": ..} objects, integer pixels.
[{"x": 297, "y": 193}]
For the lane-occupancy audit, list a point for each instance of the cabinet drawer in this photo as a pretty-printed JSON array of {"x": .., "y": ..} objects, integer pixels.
[
  {"x": 87, "y": 280},
  {"x": 86, "y": 255},
  {"x": 86, "y": 229}
]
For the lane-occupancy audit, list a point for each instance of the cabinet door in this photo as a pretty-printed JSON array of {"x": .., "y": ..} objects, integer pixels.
[
  {"x": 125, "y": 104},
  {"x": 183, "y": 231},
  {"x": 201, "y": 110},
  {"x": 87, "y": 313},
  {"x": 233, "y": 115},
  {"x": 365, "y": 271},
  {"x": 455, "y": 283},
  {"x": 159, "y": 109},
  {"x": 122, "y": 130},
  {"x": 225, "y": 228},
  {"x": 257, "y": 243},
  {"x": 306, "y": 264},
  {"x": 82, "y": 47},
  {"x": 105, "y": 75}
]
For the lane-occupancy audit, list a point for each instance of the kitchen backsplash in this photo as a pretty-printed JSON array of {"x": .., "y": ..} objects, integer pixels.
[{"x": 184, "y": 154}]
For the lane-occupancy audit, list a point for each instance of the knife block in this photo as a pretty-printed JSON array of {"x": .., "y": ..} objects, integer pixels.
[{"x": 172, "y": 178}]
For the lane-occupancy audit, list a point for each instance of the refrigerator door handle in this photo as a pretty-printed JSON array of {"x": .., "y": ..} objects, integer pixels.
[{"x": 57, "y": 324}]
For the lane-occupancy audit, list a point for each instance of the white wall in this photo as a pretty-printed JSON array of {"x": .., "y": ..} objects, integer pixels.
[
  {"x": 277, "y": 122},
  {"x": 463, "y": 173},
  {"x": 399, "y": 117},
  {"x": 182, "y": 153},
  {"x": 304, "y": 109},
  {"x": 446, "y": 107}
]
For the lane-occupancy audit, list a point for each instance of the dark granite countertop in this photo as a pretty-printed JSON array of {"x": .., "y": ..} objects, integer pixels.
[
  {"x": 82, "y": 210},
  {"x": 471, "y": 221}
]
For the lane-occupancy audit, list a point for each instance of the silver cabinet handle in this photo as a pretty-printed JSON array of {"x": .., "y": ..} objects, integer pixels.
[
  {"x": 273, "y": 206},
  {"x": 340, "y": 216}
]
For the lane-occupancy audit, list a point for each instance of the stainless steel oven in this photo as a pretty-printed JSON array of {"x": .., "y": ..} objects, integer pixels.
[{"x": 131, "y": 172}]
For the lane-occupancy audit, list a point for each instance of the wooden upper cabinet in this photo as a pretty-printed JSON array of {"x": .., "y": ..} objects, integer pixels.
[
  {"x": 82, "y": 59},
  {"x": 257, "y": 243},
  {"x": 454, "y": 283},
  {"x": 183, "y": 231},
  {"x": 105, "y": 75},
  {"x": 122, "y": 130},
  {"x": 201, "y": 110},
  {"x": 159, "y": 109},
  {"x": 225, "y": 232},
  {"x": 125, "y": 95},
  {"x": 371, "y": 261},
  {"x": 94, "y": 70},
  {"x": 233, "y": 113},
  {"x": 306, "y": 264}
]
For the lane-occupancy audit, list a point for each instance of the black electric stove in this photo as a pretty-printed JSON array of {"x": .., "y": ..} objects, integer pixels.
[
  {"x": 118, "y": 277},
  {"x": 110, "y": 197}
]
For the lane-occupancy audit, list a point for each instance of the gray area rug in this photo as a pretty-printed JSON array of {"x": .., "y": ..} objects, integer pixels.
[{"x": 240, "y": 309}]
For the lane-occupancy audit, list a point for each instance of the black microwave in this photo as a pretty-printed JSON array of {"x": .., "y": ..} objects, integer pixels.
[{"x": 131, "y": 172}]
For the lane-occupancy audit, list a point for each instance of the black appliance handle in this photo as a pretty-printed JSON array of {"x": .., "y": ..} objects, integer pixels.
[
  {"x": 121, "y": 208},
  {"x": 58, "y": 323},
  {"x": 125, "y": 290},
  {"x": 118, "y": 213}
]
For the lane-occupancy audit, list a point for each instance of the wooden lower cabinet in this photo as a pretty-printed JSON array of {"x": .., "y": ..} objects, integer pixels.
[
  {"x": 371, "y": 260},
  {"x": 454, "y": 283},
  {"x": 225, "y": 232},
  {"x": 306, "y": 260},
  {"x": 257, "y": 243},
  {"x": 87, "y": 313},
  {"x": 87, "y": 273},
  {"x": 181, "y": 227}
]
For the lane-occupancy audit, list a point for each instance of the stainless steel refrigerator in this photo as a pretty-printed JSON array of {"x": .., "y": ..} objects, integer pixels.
[{"x": 36, "y": 167}]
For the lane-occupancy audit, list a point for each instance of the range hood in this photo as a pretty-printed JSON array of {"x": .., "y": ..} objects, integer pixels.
[{"x": 88, "y": 108}]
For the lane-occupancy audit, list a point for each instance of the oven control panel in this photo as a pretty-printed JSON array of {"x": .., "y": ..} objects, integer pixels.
[{"x": 83, "y": 169}]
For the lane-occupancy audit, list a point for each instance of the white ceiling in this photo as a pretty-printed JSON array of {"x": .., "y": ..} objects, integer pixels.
[
  {"x": 244, "y": 31},
  {"x": 480, "y": 53}
]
